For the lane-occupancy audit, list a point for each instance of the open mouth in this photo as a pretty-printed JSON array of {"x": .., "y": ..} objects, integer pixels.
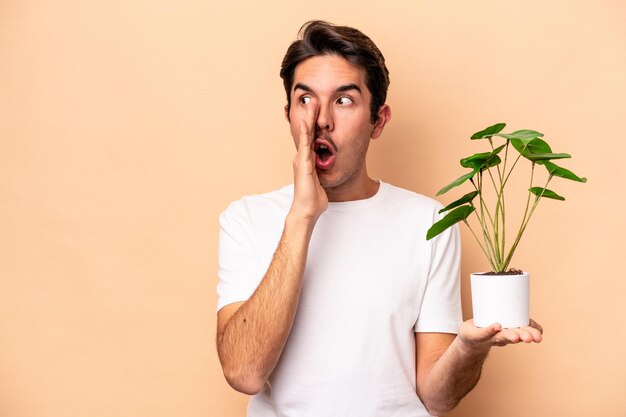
[{"x": 325, "y": 154}]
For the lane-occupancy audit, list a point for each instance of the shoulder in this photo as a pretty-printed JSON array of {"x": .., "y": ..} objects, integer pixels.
[
  {"x": 403, "y": 199},
  {"x": 276, "y": 201}
]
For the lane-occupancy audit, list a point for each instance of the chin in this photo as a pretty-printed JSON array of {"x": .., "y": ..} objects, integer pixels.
[
  {"x": 328, "y": 183},
  {"x": 334, "y": 178}
]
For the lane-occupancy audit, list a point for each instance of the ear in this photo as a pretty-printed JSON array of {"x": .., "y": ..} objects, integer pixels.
[
  {"x": 384, "y": 116},
  {"x": 287, "y": 112}
]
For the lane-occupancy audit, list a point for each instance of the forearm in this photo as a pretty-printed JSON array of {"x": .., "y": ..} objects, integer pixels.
[
  {"x": 454, "y": 375},
  {"x": 253, "y": 339}
]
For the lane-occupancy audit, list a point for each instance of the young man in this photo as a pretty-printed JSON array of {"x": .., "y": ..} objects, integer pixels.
[{"x": 331, "y": 301}]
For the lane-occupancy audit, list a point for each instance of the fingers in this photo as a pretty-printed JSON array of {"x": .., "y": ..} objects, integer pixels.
[
  {"x": 523, "y": 334},
  {"x": 495, "y": 335},
  {"x": 507, "y": 337},
  {"x": 489, "y": 330},
  {"x": 535, "y": 330},
  {"x": 495, "y": 327},
  {"x": 304, "y": 141},
  {"x": 531, "y": 333},
  {"x": 536, "y": 325},
  {"x": 487, "y": 333},
  {"x": 307, "y": 127},
  {"x": 304, "y": 157},
  {"x": 474, "y": 335}
]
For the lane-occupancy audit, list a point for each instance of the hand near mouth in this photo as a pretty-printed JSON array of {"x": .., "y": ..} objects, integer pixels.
[{"x": 310, "y": 199}]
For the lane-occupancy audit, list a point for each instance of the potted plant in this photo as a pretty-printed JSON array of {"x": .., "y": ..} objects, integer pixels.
[{"x": 501, "y": 295}]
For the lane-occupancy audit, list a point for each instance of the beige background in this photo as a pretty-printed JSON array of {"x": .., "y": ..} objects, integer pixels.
[{"x": 126, "y": 127}]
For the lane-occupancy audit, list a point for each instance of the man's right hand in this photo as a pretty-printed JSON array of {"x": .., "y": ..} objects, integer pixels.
[
  {"x": 310, "y": 199},
  {"x": 251, "y": 335}
]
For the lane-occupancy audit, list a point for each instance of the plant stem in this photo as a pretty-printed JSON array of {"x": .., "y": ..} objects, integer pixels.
[
  {"x": 495, "y": 187},
  {"x": 524, "y": 224},
  {"x": 521, "y": 229},
  {"x": 497, "y": 166},
  {"x": 482, "y": 201},
  {"x": 501, "y": 197},
  {"x": 481, "y": 218},
  {"x": 494, "y": 221},
  {"x": 481, "y": 246},
  {"x": 503, "y": 219},
  {"x": 506, "y": 155},
  {"x": 487, "y": 239},
  {"x": 532, "y": 174},
  {"x": 512, "y": 168}
]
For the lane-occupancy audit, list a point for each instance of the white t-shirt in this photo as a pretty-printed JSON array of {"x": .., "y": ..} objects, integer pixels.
[{"x": 371, "y": 280}]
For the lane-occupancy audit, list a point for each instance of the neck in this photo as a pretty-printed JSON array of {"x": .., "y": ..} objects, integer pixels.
[{"x": 349, "y": 192}]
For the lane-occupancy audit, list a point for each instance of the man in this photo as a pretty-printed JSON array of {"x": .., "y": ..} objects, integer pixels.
[{"x": 331, "y": 301}]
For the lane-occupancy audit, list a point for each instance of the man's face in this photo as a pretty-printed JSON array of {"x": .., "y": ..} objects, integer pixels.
[{"x": 337, "y": 91}]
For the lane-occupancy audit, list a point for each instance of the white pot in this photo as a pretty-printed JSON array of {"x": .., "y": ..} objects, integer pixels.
[{"x": 500, "y": 299}]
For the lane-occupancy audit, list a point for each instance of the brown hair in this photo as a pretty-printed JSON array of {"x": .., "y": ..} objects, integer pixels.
[{"x": 317, "y": 38}]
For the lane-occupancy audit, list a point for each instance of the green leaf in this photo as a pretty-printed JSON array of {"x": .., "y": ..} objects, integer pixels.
[
  {"x": 547, "y": 156},
  {"x": 479, "y": 162},
  {"x": 457, "y": 182},
  {"x": 489, "y": 132},
  {"x": 528, "y": 146},
  {"x": 522, "y": 135},
  {"x": 455, "y": 216},
  {"x": 558, "y": 171},
  {"x": 544, "y": 192},
  {"x": 536, "y": 150},
  {"x": 483, "y": 160},
  {"x": 465, "y": 199}
]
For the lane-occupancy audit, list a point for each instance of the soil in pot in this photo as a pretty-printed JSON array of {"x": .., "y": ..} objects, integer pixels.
[{"x": 511, "y": 271}]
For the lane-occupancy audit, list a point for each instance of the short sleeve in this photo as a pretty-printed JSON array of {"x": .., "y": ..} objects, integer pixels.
[
  {"x": 441, "y": 311},
  {"x": 239, "y": 270}
]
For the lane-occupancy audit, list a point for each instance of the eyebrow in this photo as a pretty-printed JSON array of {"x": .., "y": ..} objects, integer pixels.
[
  {"x": 339, "y": 89},
  {"x": 348, "y": 87}
]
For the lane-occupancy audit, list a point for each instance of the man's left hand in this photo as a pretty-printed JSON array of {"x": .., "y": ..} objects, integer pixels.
[{"x": 477, "y": 339}]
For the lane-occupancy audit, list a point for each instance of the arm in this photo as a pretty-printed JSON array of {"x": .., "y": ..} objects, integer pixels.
[
  {"x": 251, "y": 335},
  {"x": 448, "y": 367}
]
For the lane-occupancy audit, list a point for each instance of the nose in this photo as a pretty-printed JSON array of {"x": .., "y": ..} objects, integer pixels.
[{"x": 325, "y": 119}]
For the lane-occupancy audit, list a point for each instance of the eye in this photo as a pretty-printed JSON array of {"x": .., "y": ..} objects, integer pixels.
[
  {"x": 344, "y": 100},
  {"x": 305, "y": 100}
]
